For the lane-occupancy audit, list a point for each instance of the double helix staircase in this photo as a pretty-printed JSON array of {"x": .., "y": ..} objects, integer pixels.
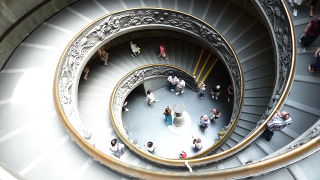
[{"x": 34, "y": 144}]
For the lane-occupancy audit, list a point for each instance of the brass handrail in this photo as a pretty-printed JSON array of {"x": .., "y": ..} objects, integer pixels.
[
  {"x": 151, "y": 157},
  {"x": 243, "y": 171},
  {"x": 234, "y": 64}
]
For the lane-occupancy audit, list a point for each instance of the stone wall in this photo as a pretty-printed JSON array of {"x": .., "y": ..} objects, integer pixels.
[{"x": 19, "y": 18}]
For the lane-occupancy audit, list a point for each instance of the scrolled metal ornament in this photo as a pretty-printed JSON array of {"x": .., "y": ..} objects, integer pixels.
[
  {"x": 87, "y": 42},
  {"x": 279, "y": 24},
  {"x": 311, "y": 134},
  {"x": 98, "y": 32}
]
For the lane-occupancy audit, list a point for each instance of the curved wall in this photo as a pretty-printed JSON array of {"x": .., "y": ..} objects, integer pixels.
[{"x": 18, "y": 19}]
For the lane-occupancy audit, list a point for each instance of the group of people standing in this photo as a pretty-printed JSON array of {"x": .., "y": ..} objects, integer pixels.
[
  {"x": 205, "y": 120},
  {"x": 176, "y": 84}
]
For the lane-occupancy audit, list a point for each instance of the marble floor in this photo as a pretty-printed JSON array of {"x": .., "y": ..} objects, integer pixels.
[{"x": 146, "y": 122}]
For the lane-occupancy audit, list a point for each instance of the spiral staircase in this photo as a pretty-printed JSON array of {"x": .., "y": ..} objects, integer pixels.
[{"x": 34, "y": 144}]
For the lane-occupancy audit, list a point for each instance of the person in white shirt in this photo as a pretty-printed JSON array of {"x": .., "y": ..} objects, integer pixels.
[
  {"x": 180, "y": 86},
  {"x": 173, "y": 82},
  {"x": 279, "y": 121},
  {"x": 150, "y": 97},
  {"x": 135, "y": 50},
  {"x": 116, "y": 148}
]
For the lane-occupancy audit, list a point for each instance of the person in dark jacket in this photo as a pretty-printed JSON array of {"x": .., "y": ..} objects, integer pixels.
[{"x": 311, "y": 32}]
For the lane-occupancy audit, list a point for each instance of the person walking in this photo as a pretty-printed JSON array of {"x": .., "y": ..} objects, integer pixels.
[
  {"x": 180, "y": 86},
  {"x": 162, "y": 50},
  {"x": 86, "y": 71},
  {"x": 215, "y": 92},
  {"x": 183, "y": 155},
  {"x": 104, "y": 56},
  {"x": 135, "y": 50},
  {"x": 296, "y": 5},
  {"x": 202, "y": 89},
  {"x": 150, "y": 97},
  {"x": 116, "y": 148},
  {"x": 230, "y": 92},
  {"x": 279, "y": 121},
  {"x": 310, "y": 34},
  {"x": 125, "y": 106},
  {"x": 312, "y": 5}
]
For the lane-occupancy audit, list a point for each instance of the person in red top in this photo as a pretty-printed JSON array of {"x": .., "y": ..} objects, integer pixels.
[
  {"x": 183, "y": 155},
  {"x": 163, "y": 52}
]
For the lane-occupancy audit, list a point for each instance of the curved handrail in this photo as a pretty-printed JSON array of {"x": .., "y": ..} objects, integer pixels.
[
  {"x": 132, "y": 80},
  {"x": 244, "y": 171},
  {"x": 259, "y": 167},
  {"x": 85, "y": 44}
]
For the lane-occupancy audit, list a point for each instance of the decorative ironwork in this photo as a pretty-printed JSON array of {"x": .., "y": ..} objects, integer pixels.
[
  {"x": 279, "y": 24},
  {"x": 307, "y": 136},
  {"x": 93, "y": 37},
  {"x": 137, "y": 77},
  {"x": 89, "y": 40}
]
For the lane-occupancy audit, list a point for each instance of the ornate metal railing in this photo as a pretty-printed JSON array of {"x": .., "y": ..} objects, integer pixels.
[
  {"x": 131, "y": 81},
  {"x": 134, "y": 79},
  {"x": 281, "y": 28},
  {"x": 87, "y": 42}
]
